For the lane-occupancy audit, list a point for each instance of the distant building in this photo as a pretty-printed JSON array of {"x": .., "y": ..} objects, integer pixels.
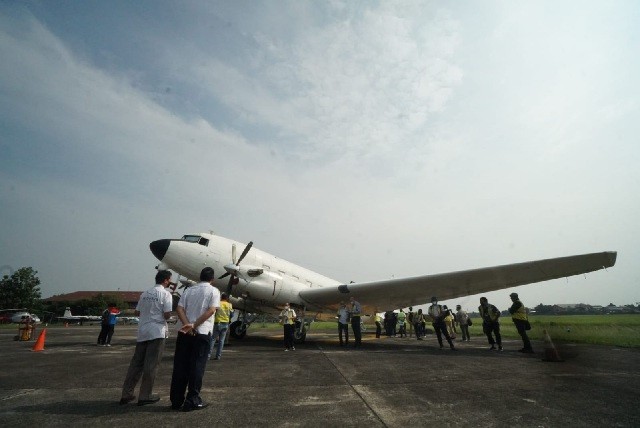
[
  {"x": 572, "y": 307},
  {"x": 129, "y": 297}
]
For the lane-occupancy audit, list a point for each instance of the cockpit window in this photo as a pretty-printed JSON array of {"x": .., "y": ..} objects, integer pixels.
[{"x": 196, "y": 239}]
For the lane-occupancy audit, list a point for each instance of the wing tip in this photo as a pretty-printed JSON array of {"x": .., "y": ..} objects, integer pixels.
[{"x": 611, "y": 256}]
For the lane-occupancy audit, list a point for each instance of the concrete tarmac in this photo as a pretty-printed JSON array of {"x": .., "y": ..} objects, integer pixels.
[{"x": 387, "y": 382}]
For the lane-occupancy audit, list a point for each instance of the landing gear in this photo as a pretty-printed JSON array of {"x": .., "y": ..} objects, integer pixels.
[
  {"x": 302, "y": 325},
  {"x": 300, "y": 333},
  {"x": 238, "y": 330},
  {"x": 239, "y": 327}
]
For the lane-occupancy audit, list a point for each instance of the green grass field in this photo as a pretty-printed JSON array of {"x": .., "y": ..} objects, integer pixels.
[{"x": 616, "y": 330}]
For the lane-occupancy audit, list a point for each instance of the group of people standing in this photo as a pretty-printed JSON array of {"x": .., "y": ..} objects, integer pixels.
[
  {"x": 397, "y": 323},
  {"x": 491, "y": 325},
  {"x": 204, "y": 314},
  {"x": 108, "y": 321},
  {"x": 444, "y": 322},
  {"x": 346, "y": 315}
]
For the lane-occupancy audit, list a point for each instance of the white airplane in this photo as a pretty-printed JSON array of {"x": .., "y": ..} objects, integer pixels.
[
  {"x": 19, "y": 317},
  {"x": 260, "y": 282},
  {"x": 80, "y": 318},
  {"x": 127, "y": 320}
]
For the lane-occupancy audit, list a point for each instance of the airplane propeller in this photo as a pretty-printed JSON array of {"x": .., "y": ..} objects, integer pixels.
[{"x": 232, "y": 268}]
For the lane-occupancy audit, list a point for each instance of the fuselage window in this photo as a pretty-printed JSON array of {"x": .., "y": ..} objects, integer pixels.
[{"x": 191, "y": 238}]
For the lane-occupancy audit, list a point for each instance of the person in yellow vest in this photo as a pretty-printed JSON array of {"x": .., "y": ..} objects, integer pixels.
[
  {"x": 490, "y": 324},
  {"x": 402, "y": 323},
  {"x": 220, "y": 325},
  {"x": 287, "y": 319},
  {"x": 448, "y": 321},
  {"x": 411, "y": 320},
  {"x": 521, "y": 321},
  {"x": 378, "y": 320}
]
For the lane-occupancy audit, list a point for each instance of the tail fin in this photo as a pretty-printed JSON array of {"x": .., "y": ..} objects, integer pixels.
[{"x": 67, "y": 312}]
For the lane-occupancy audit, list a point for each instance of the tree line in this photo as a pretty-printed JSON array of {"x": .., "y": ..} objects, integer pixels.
[{"x": 22, "y": 290}]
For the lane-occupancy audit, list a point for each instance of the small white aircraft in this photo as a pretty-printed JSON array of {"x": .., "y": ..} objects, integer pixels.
[
  {"x": 260, "y": 282},
  {"x": 80, "y": 318},
  {"x": 19, "y": 317},
  {"x": 127, "y": 320}
]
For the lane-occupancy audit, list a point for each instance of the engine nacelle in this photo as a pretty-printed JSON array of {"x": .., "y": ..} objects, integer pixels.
[
  {"x": 257, "y": 284},
  {"x": 265, "y": 286}
]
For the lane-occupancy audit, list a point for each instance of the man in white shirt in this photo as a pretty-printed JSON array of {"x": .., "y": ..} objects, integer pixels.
[
  {"x": 356, "y": 310},
  {"x": 437, "y": 314},
  {"x": 343, "y": 323},
  {"x": 154, "y": 308},
  {"x": 195, "y": 311},
  {"x": 463, "y": 319},
  {"x": 288, "y": 319}
]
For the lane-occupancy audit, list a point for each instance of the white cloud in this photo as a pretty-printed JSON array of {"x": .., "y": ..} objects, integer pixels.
[{"x": 354, "y": 87}]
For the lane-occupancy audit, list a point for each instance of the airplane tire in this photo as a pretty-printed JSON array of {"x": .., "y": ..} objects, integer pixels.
[
  {"x": 299, "y": 337},
  {"x": 237, "y": 331}
]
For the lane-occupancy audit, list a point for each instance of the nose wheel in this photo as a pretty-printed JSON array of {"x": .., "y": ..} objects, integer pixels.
[
  {"x": 300, "y": 332},
  {"x": 238, "y": 329}
]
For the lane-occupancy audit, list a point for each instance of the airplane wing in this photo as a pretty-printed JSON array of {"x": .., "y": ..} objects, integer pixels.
[
  {"x": 390, "y": 294},
  {"x": 80, "y": 318}
]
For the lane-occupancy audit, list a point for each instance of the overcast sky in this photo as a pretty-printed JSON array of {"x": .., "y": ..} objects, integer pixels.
[{"x": 363, "y": 140}]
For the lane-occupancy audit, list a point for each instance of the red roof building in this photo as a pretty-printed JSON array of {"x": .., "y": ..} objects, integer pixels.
[{"x": 129, "y": 297}]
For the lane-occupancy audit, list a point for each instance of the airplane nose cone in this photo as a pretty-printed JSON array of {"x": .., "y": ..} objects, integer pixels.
[{"x": 159, "y": 248}]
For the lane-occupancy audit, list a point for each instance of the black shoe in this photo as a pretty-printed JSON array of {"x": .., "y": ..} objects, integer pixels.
[
  {"x": 492, "y": 348},
  {"x": 127, "y": 400},
  {"x": 528, "y": 351},
  {"x": 150, "y": 400},
  {"x": 196, "y": 407}
]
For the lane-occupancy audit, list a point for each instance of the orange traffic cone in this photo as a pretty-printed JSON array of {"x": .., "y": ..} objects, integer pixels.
[
  {"x": 550, "y": 351},
  {"x": 39, "y": 345}
]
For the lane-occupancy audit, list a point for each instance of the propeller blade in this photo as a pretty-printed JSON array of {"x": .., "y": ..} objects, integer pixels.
[
  {"x": 245, "y": 251},
  {"x": 230, "y": 285},
  {"x": 232, "y": 270}
]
